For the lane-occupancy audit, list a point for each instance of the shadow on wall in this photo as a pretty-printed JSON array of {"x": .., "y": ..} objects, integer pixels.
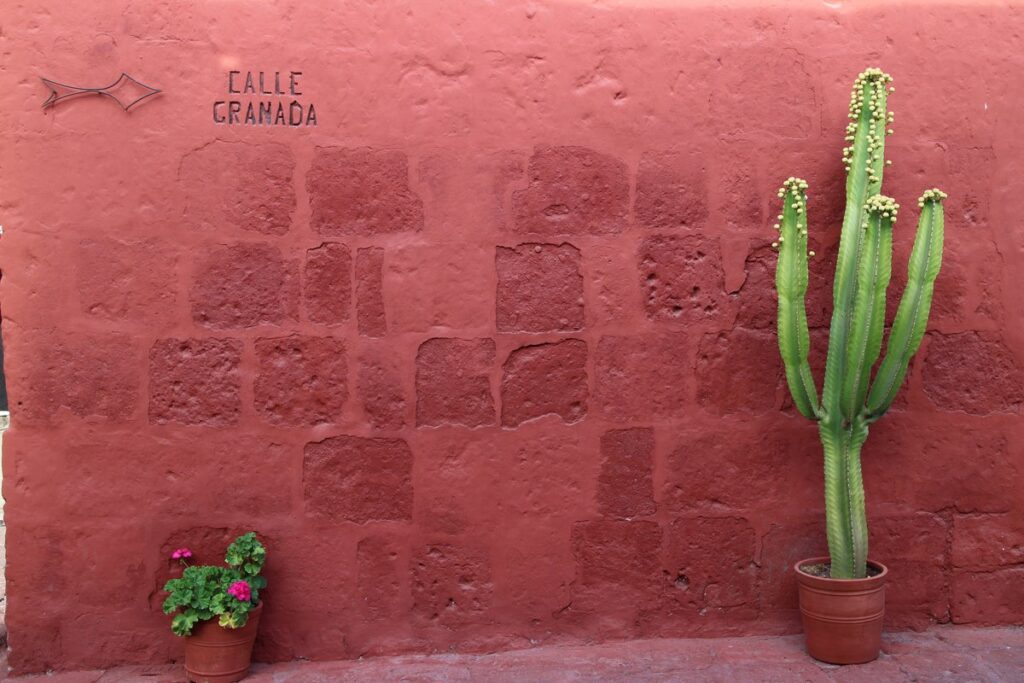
[{"x": 487, "y": 355}]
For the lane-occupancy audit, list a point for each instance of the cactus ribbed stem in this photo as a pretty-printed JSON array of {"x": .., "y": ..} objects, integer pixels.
[
  {"x": 864, "y": 179},
  {"x": 855, "y": 501},
  {"x": 912, "y": 314},
  {"x": 868, "y": 320},
  {"x": 863, "y": 270},
  {"x": 791, "y": 284},
  {"x": 837, "y": 512}
]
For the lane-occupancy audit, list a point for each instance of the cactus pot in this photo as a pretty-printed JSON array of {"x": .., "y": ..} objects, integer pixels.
[
  {"x": 842, "y": 617},
  {"x": 214, "y": 654}
]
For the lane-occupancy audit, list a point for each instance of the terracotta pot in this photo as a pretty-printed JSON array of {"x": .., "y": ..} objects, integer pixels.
[
  {"x": 214, "y": 654},
  {"x": 842, "y": 617}
]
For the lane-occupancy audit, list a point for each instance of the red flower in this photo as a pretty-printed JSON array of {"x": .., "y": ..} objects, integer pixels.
[{"x": 241, "y": 591}]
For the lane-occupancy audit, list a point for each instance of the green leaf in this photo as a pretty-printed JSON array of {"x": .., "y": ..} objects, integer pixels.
[
  {"x": 201, "y": 591},
  {"x": 182, "y": 624}
]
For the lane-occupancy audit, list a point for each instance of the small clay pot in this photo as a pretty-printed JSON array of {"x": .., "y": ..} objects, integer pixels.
[
  {"x": 214, "y": 654},
  {"x": 842, "y": 617}
]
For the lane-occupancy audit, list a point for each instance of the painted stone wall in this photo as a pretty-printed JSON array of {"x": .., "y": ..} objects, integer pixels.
[{"x": 486, "y": 351}]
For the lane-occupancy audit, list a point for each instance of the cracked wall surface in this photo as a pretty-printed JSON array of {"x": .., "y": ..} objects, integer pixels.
[{"x": 487, "y": 355}]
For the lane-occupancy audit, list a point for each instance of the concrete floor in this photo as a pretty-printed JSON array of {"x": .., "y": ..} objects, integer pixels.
[{"x": 959, "y": 654}]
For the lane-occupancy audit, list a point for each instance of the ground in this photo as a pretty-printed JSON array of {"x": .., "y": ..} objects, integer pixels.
[{"x": 957, "y": 654}]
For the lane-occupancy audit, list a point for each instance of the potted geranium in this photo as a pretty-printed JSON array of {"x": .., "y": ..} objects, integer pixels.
[
  {"x": 842, "y": 597},
  {"x": 218, "y": 610}
]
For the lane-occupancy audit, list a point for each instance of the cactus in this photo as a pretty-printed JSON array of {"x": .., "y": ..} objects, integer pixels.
[{"x": 848, "y": 405}]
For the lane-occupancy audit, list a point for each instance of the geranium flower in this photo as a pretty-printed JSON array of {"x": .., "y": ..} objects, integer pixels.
[
  {"x": 181, "y": 554},
  {"x": 241, "y": 591}
]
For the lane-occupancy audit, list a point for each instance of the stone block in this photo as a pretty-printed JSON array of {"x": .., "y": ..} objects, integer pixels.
[
  {"x": 572, "y": 191},
  {"x": 244, "y": 285},
  {"x": 362, "y": 192},
  {"x": 89, "y": 374},
  {"x": 126, "y": 280},
  {"x": 987, "y": 541},
  {"x": 712, "y": 560},
  {"x": 439, "y": 285},
  {"x": 381, "y": 577},
  {"x": 327, "y": 283},
  {"x": 370, "y": 314},
  {"x": 681, "y": 278},
  {"x": 540, "y": 288},
  {"x": 545, "y": 379},
  {"x": 451, "y": 585},
  {"x": 972, "y": 373},
  {"x": 453, "y": 382},
  {"x": 671, "y": 190},
  {"x": 740, "y": 371},
  {"x": 625, "y": 488},
  {"x": 743, "y": 464},
  {"x": 616, "y": 562},
  {"x": 381, "y": 391},
  {"x": 957, "y": 463},
  {"x": 355, "y": 479},
  {"x": 642, "y": 377},
  {"x": 256, "y": 190},
  {"x": 195, "y": 381},
  {"x": 301, "y": 380},
  {"x": 988, "y": 598}
]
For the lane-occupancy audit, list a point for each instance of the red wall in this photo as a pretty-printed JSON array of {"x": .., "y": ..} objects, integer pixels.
[{"x": 487, "y": 354}]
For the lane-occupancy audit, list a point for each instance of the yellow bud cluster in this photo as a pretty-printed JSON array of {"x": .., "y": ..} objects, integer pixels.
[
  {"x": 869, "y": 94},
  {"x": 882, "y": 205},
  {"x": 796, "y": 189},
  {"x": 793, "y": 191},
  {"x": 932, "y": 195},
  {"x": 875, "y": 80},
  {"x": 793, "y": 185}
]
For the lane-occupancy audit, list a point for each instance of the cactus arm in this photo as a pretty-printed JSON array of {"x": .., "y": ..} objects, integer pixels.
[
  {"x": 865, "y": 162},
  {"x": 915, "y": 304},
  {"x": 791, "y": 285},
  {"x": 868, "y": 320}
]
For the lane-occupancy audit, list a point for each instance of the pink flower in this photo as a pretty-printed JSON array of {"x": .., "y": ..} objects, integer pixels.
[
  {"x": 240, "y": 591},
  {"x": 181, "y": 554}
]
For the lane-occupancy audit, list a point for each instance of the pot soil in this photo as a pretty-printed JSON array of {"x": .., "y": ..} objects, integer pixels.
[
  {"x": 842, "y": 617},
  {"x": 214, "y": 654}
]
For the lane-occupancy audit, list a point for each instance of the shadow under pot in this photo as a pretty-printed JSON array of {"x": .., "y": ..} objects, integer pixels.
[{"x": 842, "y": 618}]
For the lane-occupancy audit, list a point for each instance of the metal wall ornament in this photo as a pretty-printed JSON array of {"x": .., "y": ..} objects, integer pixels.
[{"x": 126, "y": 91}]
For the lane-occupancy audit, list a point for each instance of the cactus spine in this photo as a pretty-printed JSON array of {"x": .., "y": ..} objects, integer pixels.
[{"x": 850, "y": 402}]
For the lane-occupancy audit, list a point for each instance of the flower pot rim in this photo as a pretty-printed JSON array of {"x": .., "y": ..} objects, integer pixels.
[
  {"x": 825, "y": 559},
  {"x": 258, "y": 609}
]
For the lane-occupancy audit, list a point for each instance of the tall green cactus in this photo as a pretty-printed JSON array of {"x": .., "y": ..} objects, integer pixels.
[{"x": 848, "y": 405}]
